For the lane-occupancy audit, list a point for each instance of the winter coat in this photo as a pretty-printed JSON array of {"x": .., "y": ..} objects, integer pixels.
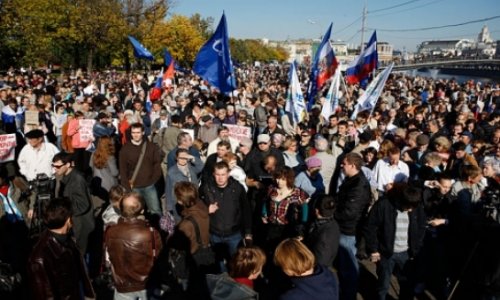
[{"x": 322, "y": 284}]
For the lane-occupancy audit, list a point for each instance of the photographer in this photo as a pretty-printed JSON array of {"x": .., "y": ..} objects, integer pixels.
[{"x": 36, "y": 158}]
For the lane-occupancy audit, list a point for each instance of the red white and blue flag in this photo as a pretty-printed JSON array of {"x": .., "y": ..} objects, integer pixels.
[
  {"x": 157, "y": 90},
  {"x": 363, "y": 65},
  {"x": 323, "y": 67},
  {"x": 170, "y": 65}
]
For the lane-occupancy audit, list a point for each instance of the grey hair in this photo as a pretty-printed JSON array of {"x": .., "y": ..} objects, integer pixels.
[
  {"x": 494, "y": 163},
  {"x": 321, "y": 144}
]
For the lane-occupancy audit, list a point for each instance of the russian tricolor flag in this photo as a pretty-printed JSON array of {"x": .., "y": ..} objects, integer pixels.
[
  {"x": 157, "y": 90},
  {"x": 169, "y": 64},
  {"x": 323, "y": 67},
  {"x": 164, "y": 77},
  {"x": 361, "y": 67}
]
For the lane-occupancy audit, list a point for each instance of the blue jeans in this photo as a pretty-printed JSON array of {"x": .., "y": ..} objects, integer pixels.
[
  {"x": 348, "y": 271},
  {"x": 151, "y": 197},
  {"x": 225, "y": 247},
  {"x": 397, "y": 263}
]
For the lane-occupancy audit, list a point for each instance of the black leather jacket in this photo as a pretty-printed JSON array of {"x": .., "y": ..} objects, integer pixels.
[{"x": 56, "y": 269}]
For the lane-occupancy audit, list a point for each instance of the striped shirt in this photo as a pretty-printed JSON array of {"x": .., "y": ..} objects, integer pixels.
[{"x": 401, "y": 238}]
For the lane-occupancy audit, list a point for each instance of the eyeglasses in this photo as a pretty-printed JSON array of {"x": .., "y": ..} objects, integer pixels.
[
  {"x": 57, "y": 166},
  {"x": 182, "y": 158}
]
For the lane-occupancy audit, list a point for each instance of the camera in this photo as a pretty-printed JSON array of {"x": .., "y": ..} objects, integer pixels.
[
  {"x": 42, "y": 187},
  {"x": 491, "y": 204}
]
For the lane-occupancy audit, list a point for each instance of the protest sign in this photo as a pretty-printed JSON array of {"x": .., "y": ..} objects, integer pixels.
[
  {"x": 86, "y": 134},
  {"x": 239, "y": 132},
  {"x": 31, "y": 117},
  {"x": 7, "y": 147}
]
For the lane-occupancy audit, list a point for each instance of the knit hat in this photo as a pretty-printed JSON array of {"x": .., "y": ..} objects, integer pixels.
[{"x": 313, "y": 162}]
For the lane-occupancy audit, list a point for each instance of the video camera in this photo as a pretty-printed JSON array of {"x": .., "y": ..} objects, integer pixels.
[
  {"x": 41, "y": 190},
  {"x": 491, "y": 204},
  {"x": 42, "y": 187}
]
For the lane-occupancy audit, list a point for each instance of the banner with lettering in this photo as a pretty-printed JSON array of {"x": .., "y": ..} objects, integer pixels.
[
  {"x": 7, "y": 147},
  {"x": 86, "y": 126},
  {"x": 239, "y": 132}
]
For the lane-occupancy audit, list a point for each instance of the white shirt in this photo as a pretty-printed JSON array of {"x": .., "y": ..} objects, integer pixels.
[
  {"x": 385, "y": 173},
  {"x": 239, "y": 175},
  {"x": 32, "y": 162}
]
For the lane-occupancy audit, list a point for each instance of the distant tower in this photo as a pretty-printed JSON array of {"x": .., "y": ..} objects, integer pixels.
[{"x": 484, "y": 36}]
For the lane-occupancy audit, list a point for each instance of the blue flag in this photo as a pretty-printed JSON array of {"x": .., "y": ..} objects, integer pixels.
[
  {"x": 213, "y": 62},
  {"x": 139, "y": 50}
]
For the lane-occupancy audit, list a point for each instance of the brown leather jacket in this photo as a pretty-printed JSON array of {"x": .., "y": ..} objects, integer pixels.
[
  {"x": 56, "y": 269},
  {"x": 132, "y": 246}
]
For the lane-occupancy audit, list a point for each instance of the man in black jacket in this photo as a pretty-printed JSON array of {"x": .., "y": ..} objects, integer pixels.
[
  {"x": 394, "y": 234},
  {"x": 230, "y": 214},
  {"x": 74, "y": 187},
  {"x": 324, "y": 234},
  {"x": 352, "y": 203}
]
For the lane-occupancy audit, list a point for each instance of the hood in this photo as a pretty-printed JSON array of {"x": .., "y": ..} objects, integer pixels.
[{"x": 320, "y": 282}]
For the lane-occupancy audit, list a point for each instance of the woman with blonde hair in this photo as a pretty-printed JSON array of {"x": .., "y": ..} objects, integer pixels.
[
  {"x": 103, "y": 163},
  {"x": 292, "y": 157},
  {"x": 310, "y": 281}
]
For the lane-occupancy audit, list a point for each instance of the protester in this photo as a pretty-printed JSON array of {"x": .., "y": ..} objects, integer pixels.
[
  {"x": 394, "y": 234},
  {"x": 245, "y": 266},
  {"x": 132, "y": 246},
  {"x": 74, "y": 187},
  {"x": 406, "y": 137},
  {"x": 311, "y": 280},
  {"x": 55, "y": 268},
  {"x": 140, "y": 168}
]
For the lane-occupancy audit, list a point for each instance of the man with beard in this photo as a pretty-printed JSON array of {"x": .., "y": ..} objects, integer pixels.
[{"x": 223, "y": 135}]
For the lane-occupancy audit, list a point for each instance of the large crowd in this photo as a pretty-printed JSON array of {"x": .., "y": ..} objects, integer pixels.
[{"x": 200, "y": 195}]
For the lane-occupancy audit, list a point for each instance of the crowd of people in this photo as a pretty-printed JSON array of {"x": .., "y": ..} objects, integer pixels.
[{"x": 165, "y": 200}]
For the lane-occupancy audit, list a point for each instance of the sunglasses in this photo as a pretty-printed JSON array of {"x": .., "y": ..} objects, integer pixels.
[{"x": 57, "y": 166}]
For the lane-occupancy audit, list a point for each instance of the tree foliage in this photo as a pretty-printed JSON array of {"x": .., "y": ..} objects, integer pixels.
[
  {"x": 93, "y": 33},
  {"x": 254, "y": 50}
]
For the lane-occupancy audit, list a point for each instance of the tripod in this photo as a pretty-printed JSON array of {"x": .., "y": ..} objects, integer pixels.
[{"x": 36, "y": 225}]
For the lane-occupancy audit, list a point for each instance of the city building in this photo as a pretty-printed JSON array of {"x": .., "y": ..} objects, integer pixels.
[{"x": 482, "y": 47}]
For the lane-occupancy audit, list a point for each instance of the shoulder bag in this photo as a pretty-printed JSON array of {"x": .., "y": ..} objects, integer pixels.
[
  {"x": 138, "y": 166},
  {"x": 204, "y": 256}
]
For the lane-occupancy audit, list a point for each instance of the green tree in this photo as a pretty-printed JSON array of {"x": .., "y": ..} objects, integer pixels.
[{"x": 179, "y": 36}]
